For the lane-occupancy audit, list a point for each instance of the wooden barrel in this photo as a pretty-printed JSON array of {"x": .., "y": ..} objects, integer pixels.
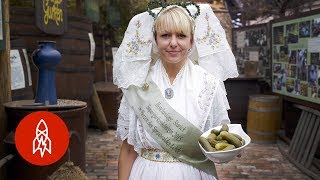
[
  {"x": 72, "y": 113},
  {"x": 263, "y": 118}
]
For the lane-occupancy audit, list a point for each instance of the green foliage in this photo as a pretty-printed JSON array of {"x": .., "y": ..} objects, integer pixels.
[
  {"x": 251, "y": 9},
  {"x": 126, "y": 8},
  {"x": 71, "y": 4}
]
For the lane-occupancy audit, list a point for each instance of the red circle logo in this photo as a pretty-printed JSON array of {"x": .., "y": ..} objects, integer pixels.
[{"x": 42, "y": 138}]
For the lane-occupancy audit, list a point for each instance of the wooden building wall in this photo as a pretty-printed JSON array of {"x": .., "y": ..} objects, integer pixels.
[{"x": 75, "y": 72}]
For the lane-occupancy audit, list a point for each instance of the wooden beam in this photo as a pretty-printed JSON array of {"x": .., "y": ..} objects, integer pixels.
[
  {"x": 5, "y": 78},
  {"x": 79, "y": 7}
]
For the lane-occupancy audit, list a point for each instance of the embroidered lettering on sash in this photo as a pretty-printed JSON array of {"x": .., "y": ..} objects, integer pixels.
[{"x": 172, "y": 131}]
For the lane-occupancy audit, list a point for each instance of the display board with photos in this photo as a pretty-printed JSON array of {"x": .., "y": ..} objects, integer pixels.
[
  {"x": 252, "y": 43},
  {"x": 296, "y": 57}
]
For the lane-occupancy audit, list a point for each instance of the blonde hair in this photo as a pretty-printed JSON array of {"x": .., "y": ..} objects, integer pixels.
[{"x": 174, "y": 19}]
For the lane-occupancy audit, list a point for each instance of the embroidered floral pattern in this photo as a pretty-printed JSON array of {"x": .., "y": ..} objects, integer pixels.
[
  {"x": 210, "y": 38},
  {"x": 157, "y": 155},
  {"x": 205, "y": 97},
  {"x": 208, "y": 124},
  {"x": 136, "y": 44},
  {"x": 142, "y": 135}
]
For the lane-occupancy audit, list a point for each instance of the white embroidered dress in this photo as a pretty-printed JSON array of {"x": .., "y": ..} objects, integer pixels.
[{"x": 198, "y": 97}]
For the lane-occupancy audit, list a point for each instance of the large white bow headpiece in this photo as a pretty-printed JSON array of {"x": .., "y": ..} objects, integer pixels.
[{"x": 138, "y": 48}]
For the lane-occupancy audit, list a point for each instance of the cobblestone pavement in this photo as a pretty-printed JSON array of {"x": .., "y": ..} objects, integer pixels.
[{"x": 257, "y": 161}]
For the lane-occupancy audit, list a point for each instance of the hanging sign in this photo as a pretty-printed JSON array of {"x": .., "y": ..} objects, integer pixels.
[
  {"x": 17, "y": 73},
  {"x": 51, "y": 16}
]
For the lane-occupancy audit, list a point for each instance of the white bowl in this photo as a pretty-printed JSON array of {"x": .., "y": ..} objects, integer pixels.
[{"x": 226, "y": 156}]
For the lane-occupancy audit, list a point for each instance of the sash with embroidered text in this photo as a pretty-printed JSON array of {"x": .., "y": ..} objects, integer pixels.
[{"x": 172, "y": 131}]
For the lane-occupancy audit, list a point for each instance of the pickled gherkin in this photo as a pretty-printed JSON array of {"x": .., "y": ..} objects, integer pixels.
[
  {"x": 224, "y": 128},
  {"x": 205, "y": 144},
  {"x": 211, "y": 136},
  {"x": 221, "y": 140},
  {"x": 231, "y": 139},
  {"x": 216, "y": 132},
  {"x": 243, "y": 142},
  {"x": 211, "y": 139},
  {"x": 229, "y": 147},
  {"x": 221, "y": 145},
  {"x": 236, "y": 135},
  {"x": 219, "y": 137}
]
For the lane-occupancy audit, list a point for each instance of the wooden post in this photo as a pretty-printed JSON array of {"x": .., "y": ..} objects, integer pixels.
[
  {"x": 104, "y": 58},
  {"x": 5, "y": 80},
  {"x": 97, "y": 115},
  {"x": 79, "y": 7}
]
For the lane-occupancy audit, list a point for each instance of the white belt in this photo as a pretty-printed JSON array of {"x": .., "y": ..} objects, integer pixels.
[{"x": 157, "y": 155}]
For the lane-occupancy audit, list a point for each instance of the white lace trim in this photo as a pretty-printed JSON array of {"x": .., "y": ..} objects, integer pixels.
[
  {"x": 218, "y": 114},
  {"x": 221, "y": 65},
  {"x": 211, "y": 101},
  {"x": 206, "y": 96},
  {"x": 211, "y": 49},
  {"x": 132, "y": 60},
  {"x": 128, "y": 127},
  {"x": 123, "y": 120},
  {"x": 178, "y": 76}
]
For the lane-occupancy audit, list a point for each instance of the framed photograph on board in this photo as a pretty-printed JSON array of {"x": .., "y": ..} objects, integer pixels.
[{"x": 252, "y": 43}]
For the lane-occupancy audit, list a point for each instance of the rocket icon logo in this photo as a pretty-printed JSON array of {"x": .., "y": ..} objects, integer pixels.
[
  {"x": 42, "y": 141},
  {"x": 42, "y": 138}
]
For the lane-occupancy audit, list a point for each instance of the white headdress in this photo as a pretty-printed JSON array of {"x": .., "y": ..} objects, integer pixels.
[{"x": 210, "y": 50}]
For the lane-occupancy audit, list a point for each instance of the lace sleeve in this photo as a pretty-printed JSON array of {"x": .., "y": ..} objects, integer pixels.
[
  {"x": 125, "y": 112},
  {"x": 128, "y": 126},
  {"x": 218, "y": 114}
]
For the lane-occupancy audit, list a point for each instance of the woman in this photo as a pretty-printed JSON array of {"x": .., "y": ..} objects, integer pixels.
[{"x": 161, "y": 122}]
